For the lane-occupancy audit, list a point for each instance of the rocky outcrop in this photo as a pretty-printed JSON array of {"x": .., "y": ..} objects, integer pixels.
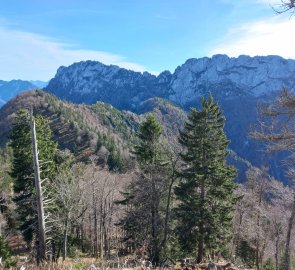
[
  {"x": 225, "y": 77},
  {"x": 236, "y": 83},
  {"x": 88, "y": 82},
  {"x": 228, "y": 77}
]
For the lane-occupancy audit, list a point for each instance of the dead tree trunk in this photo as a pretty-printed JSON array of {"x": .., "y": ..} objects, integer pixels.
[{"x": 39, "y": 195}]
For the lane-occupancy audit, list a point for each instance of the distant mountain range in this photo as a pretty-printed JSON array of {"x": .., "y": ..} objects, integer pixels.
[
  {"x": 225, "y": 77},
  {"x": 238, "y": 84},
  {"x": 9, "y": 89}
]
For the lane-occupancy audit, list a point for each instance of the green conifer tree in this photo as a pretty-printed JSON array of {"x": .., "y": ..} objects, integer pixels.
[
  {"x": 148, "y": 150},
  {"x": 23, "y": 171},
  {"x": 144, "y": 218},
  {"x": 205, "y": 192}
]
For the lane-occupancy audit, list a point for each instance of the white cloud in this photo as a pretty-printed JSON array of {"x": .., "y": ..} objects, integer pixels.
[
  {"x": 267, "y": 37},
  {"x": 29, "y": 56}
]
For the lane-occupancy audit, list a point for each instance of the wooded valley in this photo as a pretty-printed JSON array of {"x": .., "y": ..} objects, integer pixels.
[{"x": 86, "y": 185}]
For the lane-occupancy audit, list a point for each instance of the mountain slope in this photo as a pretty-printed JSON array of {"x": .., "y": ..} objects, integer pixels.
[
  {"x": 99, "y": 129},
  {"x": 238, "y": 84},
  {"x": 82, "y": 129}
]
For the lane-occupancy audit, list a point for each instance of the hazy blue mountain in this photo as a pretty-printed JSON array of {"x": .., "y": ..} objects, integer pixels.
[
  {"x": 39, "y": 84},
  {"x": 9, "y": 89}
]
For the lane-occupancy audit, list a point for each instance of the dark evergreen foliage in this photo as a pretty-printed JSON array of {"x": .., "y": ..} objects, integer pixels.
[
  {"x": 147, "y": 151},
  {"x": 144, "y": 219},
  {"x": 22, "y": 167},
  {"x": 206, "y": 187}
]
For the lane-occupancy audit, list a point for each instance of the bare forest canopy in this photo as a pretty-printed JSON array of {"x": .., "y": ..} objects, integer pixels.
[{"x": 128, "y": 189}]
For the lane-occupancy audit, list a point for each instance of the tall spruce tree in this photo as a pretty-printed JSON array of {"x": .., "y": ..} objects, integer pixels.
[
  {"x": 206, "y": 190},
  {"x": 145, "y": 217},
  {"x": 149, "y": 155},
  {"x": 23, "y": 170}
]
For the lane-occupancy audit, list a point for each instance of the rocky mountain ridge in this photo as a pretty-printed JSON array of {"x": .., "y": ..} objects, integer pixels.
[
  {"x": 89, "y": 81},
  {"x": 230, "y": 77},
  {"x": 238, "y": 84}
]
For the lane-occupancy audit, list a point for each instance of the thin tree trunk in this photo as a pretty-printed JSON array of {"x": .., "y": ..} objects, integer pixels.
[
  {"x": 101, "y": 241},
  {"x": 236, "y": 240},
  {"x": 277, "y": 251},
  {"x": 39, "y": 194},
  {"x": 101, "y": 230},
  {"x": 154, "y": 221},
  {"x": 200, "y": 255},
  {"x": 90, "y": 232},
  {"x": 59, "y": 249},
  {"x": 257, "y": 255},
  {"x": 65, "y": 240},
  {"x": 95, "y": 227},
  {"x": 82, "y": 234},
  {"x": 105, "y": 242},
  {"x": 289, "y": 231},
  {"x": 167, "y": 213}
]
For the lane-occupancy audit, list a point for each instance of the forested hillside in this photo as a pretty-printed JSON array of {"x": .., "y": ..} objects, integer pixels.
[
  {"x": 125, "y": 188},
  {"x": 147, "y": 135},
  {"x": 238, "y": 84}
]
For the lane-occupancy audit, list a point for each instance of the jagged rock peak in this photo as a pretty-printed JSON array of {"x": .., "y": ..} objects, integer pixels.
[
  {"x": 228, "y": 76},
  {"x": 98, "y": 68},
  {"x": 225, "y": 77}
]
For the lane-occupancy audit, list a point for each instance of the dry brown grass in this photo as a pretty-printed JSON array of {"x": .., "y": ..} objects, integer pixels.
[
  {"x": 72, "y": 264},
  {"x": 68, "y": 264}
]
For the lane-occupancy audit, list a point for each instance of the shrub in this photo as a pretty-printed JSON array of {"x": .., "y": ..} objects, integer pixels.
[
  {"x": 246, "y": 252},
  {"x": 5, "y": 254},
  {"x": 269, "y": 265}
]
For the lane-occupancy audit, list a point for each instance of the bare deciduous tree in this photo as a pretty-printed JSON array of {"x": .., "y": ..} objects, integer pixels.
[
  {"x": 102, "y": 189},
  {"x": 284, "y": 6},
  {"x": 277, "y": 128},
  {"x": 260, "y": 217},
  {"x": 68, "y": 192}
]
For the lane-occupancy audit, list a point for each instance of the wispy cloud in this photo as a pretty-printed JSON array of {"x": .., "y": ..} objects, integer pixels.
[
  {"x": 267, "y": 37},
  {"x": 25, "y": 55}
]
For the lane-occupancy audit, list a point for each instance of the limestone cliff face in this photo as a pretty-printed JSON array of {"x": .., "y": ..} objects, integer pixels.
[
  {"x": 236, "y": 83},
  {"x": 91, "y": 81},
  {"x": 223, "y": 76},
  {"x": 231, "y": 77}
]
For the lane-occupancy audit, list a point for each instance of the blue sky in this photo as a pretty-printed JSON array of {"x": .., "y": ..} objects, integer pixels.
[{"x": 38, "y": 36}]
